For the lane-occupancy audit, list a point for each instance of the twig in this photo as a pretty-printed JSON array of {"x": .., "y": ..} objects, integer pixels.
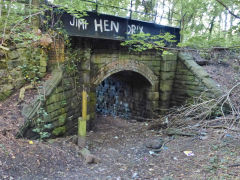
[
  {"x": 4, "y": 48},
  {"x": 234, "y": 165},
  {"x": 25, "y": 19},
  {"x": 220, "y": 2}
]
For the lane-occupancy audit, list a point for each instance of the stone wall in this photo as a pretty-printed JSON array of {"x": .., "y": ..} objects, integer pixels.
[
  {"x": 106, "y": 61},
  {"x": 12, "y": 64},
  {"x": 160, "y": 82},
  {"x": 59, "y": 96},
  {"x": 166, "y": 79},
  {"x": 191, "y": 81}
]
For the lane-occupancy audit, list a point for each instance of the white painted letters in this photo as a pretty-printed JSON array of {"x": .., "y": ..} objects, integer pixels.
[
  {"x": 72, "y": 23},
  {"x": 114, "y": 26},
  {"x": 100, "y": 25},
  {"x": 133, "y": 29},
  {"x": 106, "y": 25},
  {"x": 79, "y": 23}
]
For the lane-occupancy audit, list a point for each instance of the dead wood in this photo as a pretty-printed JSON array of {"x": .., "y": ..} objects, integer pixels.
[{"x": 178, "y": 132}]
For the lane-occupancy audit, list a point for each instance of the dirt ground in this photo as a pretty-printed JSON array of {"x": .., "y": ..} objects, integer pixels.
[{"x": 121, "y": 147}]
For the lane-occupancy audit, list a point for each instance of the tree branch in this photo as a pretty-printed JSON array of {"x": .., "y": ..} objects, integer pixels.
[{"x": 220, "y": 2}]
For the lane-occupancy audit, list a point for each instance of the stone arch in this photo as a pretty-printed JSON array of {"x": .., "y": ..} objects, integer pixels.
[{"x": 125, "y": 65}]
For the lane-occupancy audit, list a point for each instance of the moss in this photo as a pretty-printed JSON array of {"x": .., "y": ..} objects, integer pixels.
[
  {"x": 4, "y": 95},
  {"x": 62, "y": 119},
  {"x": 59, "y": 131},
  {"x": 236, "y": 68},
  {"x": 3, "y": 64}
]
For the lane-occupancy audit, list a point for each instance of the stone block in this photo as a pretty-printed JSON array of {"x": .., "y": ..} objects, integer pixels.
[
  {"x": 156, "y": 63},
  {"x": 53, "y": 115},
  {"x": 3, "y": 64},
  {"x": 43, "y": 62},
  {"x": 144, "y": 58},
  {"x": 13, "y": 63},
  {"x": 55, "y": 98},
  {"x": 170, "y": 57},
  {"x": 165, "y": 96},
  {"x": 155, "y": 86},
  {"x": 155, "y": 105},
  {"x": 54, "y": 107},
  {"x": 154, "y": 96},
  {"x": 59, "y": 131},
  {"x": 22, "y": 51},
  {"x": 156, "y": 70},
  {"x": 59, "y": 89},
  {"x": 86, "y": 77},
  {"x": 13, "y": 54},
  {"x": 167, "y": 75},
  {"x": 186, "y": 78},
  {"x": 62, "y": 119},
  {"x": 183, "y": 72},
  {"x": 163, "y": 106},
  {"x": 6, "y": 91},
  {"x": 166, "y": 85},
  {"x": 42, "y": 69},
  {"x": 168, "y": 66},
  {"x": 85, "y": 66},
  {"x": 21, "y": 45}
]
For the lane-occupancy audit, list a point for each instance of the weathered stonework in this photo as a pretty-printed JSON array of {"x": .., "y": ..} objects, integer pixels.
[
  {"x": 161, "y": 81},
  {"x": 10, "y": 72},
  {"x": 191, "y": 81}
]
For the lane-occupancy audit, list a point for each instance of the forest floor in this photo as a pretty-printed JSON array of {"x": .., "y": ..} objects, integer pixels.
[{"x": 121, "y": 147}]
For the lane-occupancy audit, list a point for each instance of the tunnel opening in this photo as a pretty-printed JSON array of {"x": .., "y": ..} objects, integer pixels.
[{"x": 124, "y": 94}]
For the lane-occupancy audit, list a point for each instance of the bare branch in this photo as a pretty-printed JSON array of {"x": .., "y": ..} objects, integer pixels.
[{"x": 225, "y": 6}]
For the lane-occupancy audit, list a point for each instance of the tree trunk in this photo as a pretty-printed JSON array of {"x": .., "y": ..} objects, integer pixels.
[
  {"x": 0, "y": 8},
  {"x": 211, "y": 26},
  {"x": 163, "y": 10},
  {"x": 35, "y": 20}
]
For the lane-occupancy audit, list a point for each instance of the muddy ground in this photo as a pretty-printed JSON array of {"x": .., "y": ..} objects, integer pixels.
[{"x": 121, "y": 147}]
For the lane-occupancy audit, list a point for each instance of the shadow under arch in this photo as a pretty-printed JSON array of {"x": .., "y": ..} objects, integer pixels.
[{"x": 122, "y": 89}]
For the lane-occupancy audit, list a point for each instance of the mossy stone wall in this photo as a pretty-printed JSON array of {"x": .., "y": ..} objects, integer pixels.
[
  {"x": 11, "y": 62},
  {"x": 174, "y": 78},
  {"x": 191, "y": 81}
]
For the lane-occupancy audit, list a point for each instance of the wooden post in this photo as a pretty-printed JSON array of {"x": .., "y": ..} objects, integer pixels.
[{"x": 82, "y": 121}]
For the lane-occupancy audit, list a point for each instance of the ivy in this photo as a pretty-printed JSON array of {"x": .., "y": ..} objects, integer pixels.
[
  {"x": 41, "y": 128},
  {"x": 144, "y": 41}
]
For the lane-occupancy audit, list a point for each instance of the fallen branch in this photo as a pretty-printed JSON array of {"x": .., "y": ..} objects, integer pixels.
[
  {"x": 201, "y": 113},
  {"x": 4, "y": 48},
  {"x": 234, "y": 165},
  {"x": 172, "y": 132},
  {"x": 22, "y": 91}
]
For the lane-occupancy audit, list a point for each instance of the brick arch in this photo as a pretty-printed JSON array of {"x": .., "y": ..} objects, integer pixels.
[{"x": 125, "y": 65}]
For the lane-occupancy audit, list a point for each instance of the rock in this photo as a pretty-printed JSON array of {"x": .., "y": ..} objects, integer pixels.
[
  {"x": 154, "y": 143},
  {"x": 203, "y": 137},
  {"x": 90, "y": 159}
]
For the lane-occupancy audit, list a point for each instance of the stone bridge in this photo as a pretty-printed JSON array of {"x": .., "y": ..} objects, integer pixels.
[{"x": 118, "y": 83}]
